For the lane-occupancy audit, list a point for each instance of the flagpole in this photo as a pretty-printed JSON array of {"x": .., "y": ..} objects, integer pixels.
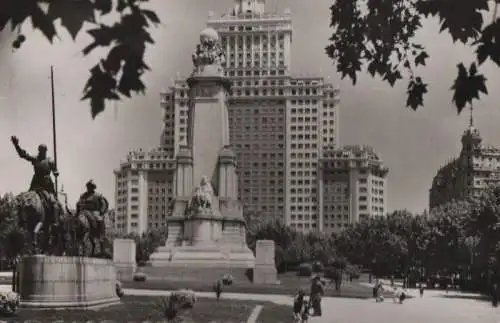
[{"x": 54, "y": 123}]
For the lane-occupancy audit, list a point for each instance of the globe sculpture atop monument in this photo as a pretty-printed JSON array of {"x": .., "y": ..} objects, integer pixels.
[{"x": 206, "y": 228}]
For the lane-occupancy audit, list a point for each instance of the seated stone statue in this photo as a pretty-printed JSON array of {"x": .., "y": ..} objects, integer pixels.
[{"x": 202, "y": 197}]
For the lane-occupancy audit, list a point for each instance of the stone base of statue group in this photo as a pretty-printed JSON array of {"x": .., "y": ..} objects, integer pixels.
[
  {"x": 49, "y": 282},
  {"x": 210, "y": 251}
]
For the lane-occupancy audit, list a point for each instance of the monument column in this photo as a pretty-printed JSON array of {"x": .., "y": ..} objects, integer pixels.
[
  {"x": 208, "y": 128},
  {"x": 206, "y": 181},
  {"x": 227, "y": 180}
]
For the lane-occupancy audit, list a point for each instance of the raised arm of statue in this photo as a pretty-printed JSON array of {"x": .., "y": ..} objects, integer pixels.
[{"x": 21, "y": 152}]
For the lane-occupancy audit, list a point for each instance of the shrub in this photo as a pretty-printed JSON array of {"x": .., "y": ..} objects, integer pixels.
[
  {"x": 317, "y": 267},
  {"x": 353, "y": 271},
  {"x": 332, "y": 273},
  {"x": 119, "y": 289},
  {"x": 9, "y": 302},
  {"x": 227, "y": 280},
  {"x": 185, "y": 298},
  {"x": 304, "y": 270},
  {"x": 140, "y": 277}
]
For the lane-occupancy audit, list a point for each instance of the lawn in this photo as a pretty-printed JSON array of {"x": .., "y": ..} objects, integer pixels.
[
  {"x": 145, "y": 308},
  {"x": 290, "y": 283}
]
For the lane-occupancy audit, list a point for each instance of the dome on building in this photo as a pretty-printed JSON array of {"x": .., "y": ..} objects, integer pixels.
[{"x": 209, "y": 33}]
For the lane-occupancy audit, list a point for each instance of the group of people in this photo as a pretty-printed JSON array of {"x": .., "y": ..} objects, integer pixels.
[
  {"x": 302, "y": 306},
  {"x": 399, "y": 294},
  {"x": 43, "y": 185}
]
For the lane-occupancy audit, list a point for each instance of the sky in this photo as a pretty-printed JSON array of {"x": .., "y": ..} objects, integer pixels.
[{"x": 412, "y": 144}]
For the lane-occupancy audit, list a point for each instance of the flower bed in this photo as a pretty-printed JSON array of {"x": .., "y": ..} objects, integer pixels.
[{"x": 9, "y": 302}]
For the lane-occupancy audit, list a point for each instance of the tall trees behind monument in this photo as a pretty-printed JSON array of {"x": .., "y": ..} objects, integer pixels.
[{"x": 11, "y": 237}]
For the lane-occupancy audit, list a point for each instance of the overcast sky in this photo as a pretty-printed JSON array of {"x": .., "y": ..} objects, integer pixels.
[{"x": 413, "y": 144}]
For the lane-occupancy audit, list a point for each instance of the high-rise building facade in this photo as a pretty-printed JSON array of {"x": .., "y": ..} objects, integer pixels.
[
  {"x": 477, "y": 167},
  {"x": 143, "y": 190},
  {"x": 353, "y": 182},
  {"x": 279, "y": 124}
]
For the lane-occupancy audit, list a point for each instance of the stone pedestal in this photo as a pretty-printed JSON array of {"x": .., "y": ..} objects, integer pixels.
[
  {"x": 49, "y": 282},
  {"x": 124, "y": 251},
  {"x": 265, "y": 267}
]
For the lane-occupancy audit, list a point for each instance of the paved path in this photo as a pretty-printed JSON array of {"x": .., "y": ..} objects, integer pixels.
[
  {"x": 434, "y": 307},
  {"x": 255, "y": 314}
]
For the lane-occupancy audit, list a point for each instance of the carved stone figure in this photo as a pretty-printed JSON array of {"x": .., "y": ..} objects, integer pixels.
[
  {"x": 208, "y": 51},
  {"x": 202, "y": 197}
]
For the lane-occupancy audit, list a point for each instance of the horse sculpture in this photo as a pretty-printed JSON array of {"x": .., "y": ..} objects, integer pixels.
[{"x": 32, "y": 210}]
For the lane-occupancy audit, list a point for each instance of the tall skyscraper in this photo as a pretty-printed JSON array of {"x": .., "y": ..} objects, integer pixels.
[
  {"x": 353, "y": 185},
  {"x": 143, "y": 190},
  {"x": 279, "y": 124}
]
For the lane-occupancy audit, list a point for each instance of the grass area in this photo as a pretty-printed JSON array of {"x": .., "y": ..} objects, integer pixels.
[
  {"x": 145, "y": 308},
  {"x": 275, "y": 314},
  {"x": 290, "y": 283}
]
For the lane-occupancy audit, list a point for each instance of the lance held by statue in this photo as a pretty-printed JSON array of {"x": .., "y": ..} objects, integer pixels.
[{"x": 38, "y": 208}]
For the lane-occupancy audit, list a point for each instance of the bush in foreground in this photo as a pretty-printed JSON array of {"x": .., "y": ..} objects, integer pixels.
[
  {"x": 140, "y": 277},
  {"x": 9, "y": 302},
  {"x": 119, "y": 289},
  {"x": 186, "y": 298},
  {"x": 305, "y": 270},
  {"x": 227, "y": 280}
]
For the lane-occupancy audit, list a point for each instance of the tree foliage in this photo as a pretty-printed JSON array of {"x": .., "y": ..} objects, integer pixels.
[
  {"x": 483, "y": 228},
  {"x": 379, "y": 36},
  {"x": 12, "y": 240},
  {"x": 115, "y": 76}
]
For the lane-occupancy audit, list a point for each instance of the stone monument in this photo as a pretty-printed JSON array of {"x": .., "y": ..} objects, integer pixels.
[
  {"x": 206, "y": 228},
  {"x": 124, "y": 258},
  {"x": 265, "y": 267},
  {"x": 50, "y": 282}
]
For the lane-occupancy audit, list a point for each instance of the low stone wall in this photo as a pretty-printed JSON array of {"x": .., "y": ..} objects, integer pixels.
[{"x": 66, "y": 282}]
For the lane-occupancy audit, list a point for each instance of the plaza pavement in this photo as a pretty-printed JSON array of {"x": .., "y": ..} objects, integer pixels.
[{"x": 434, "y": 307}]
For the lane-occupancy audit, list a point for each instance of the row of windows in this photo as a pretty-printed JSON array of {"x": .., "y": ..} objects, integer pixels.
[
  {"x": 304, "y": 136},
  {"x": 327, "y": 207},
  {"x": 256, "y": 63},
  {"x": 301, "y": 217},
  {"x": 240, "y": 73},
  {"x": 303, "y": 225},
  {"x": 301, "y": 208},
  {"x": 256, "y": 55}
]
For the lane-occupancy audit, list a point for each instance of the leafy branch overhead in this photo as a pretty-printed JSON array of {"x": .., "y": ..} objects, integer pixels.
[
  {"x": 119, "y": 73},
  {"x": 378, "y": 35}
]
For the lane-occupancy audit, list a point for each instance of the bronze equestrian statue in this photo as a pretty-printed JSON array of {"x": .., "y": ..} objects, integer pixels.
[
  {"x": 38, "y": 208},
  {"x": 91, "y": 209}
]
